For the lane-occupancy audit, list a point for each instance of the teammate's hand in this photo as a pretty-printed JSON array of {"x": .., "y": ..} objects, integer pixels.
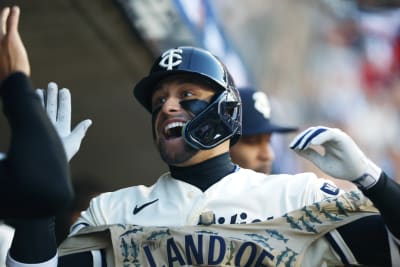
[
  {"x": 341, "y": 159},
  {"x": 13, "y": 56},
  {"x": 58, "y": 108}
]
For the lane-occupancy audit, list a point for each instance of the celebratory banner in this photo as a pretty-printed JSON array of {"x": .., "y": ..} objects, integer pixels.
[{"x": 283, "y": 241}]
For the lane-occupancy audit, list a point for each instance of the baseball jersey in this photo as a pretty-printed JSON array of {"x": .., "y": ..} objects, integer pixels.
[
  {"x": 244, "y": 196},
  {"x": 283, "y": 241},
  {"x": 241, "y": 197}
]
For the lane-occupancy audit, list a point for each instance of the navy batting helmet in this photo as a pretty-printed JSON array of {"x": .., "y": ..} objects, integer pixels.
[{"x": 221, "y": 118}]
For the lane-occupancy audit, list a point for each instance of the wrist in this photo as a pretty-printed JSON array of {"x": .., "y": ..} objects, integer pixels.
[{"x": 369, "y": 178}]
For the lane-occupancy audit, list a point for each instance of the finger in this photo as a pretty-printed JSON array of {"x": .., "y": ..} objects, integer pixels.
[
  {"x": 80, "y": 130},
  {"x": 13, "y": 20},
  {"x": 51, "y": 104},
  {"x": 299, "y": 139},
  {"x": 324, "y": 137},
  {"x": 4, "y": 16},
  {"x": 304, "y": 141},
  {"x": 64, "y": 112},
  {"x": 315, "y": 133},
  {"x": 40, "y": 93},
  {"x": 311, "y": 155}
]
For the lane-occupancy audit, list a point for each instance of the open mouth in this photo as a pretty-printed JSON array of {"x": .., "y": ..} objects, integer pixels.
[{"x": 173, "y": 130}]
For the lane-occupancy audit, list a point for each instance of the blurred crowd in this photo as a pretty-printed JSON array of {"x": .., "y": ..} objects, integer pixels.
[{"x": 333, "y": 63}]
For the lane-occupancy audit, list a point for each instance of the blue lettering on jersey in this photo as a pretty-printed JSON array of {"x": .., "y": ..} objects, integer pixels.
[
  {"x": 240, "y": 219},
  {"x": 194, "y": 253},
  {"x": 330, "y": 189}
]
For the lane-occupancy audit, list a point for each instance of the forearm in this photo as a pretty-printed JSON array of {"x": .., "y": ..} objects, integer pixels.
[
  {"x": 34, "y": 243},
  {"x": 385, "y": 195},
  {"x": 34, "y": 240},
  {"x": 36, "y": 160}
]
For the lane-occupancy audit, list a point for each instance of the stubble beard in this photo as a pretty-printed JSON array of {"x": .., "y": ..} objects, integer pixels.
[{"x": 176, "y": 157}]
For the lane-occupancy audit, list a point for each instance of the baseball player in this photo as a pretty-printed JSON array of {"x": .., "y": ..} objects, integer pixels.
[
  {"x": 253, "y": 150},
  {"x": 207, "y": 210},
  {"x": 34, "y": 174}
]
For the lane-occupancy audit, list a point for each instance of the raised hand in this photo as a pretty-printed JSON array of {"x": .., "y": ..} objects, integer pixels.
[
  {"x": 57, "y": 104},
  {"x": 341, "y": 158},
  {"x": 13, "y": 56}
]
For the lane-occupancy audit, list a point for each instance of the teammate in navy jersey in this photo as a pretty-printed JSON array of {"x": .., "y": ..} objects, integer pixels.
[{"x": 196, "y": 117}]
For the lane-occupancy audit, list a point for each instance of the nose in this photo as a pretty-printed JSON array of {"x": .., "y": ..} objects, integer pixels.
[
  {"x": 171, "y": 105},
  {"x": 266, "y": 153}
]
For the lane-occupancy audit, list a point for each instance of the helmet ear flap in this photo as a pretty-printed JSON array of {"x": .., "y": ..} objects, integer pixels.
[{"x": 220, "y": 121}]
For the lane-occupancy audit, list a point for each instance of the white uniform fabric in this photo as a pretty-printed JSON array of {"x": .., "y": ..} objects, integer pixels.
[
  {"x": 241, "y": 197},
  {"x": 244, "y": 196},
  {"x": 289, "y": 240},
  {"x": 6, "y": 236}
]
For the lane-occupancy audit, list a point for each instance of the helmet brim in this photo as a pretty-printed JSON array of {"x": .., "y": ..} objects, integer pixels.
[
  {"x": 266, "y": 127},
  {"x": 145, "y": 88}
]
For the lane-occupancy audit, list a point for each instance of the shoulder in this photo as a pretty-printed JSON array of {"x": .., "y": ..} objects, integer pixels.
[
  {"x": 123, "y": 194},
  {"x": 306, "y": 182},
  {"x": 299, "y": 178},
  {"x": 130, "y": 193}
]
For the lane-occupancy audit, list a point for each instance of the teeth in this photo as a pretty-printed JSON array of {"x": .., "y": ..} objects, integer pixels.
[{"x": 173, "y": 125}]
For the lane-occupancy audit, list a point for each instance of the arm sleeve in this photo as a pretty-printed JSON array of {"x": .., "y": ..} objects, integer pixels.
[
  {"x": 34, "y": 242},
  {"x": 10, "y": 262},
  {"x": 34, "y": 245},
  {"x": 34, "y": 176},
  {"x": 385, "y": 195}
]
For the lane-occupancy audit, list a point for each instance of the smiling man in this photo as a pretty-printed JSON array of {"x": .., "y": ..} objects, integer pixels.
[
  {"x": 169, "y": 119},
  {"x": 204, "y": 210}
]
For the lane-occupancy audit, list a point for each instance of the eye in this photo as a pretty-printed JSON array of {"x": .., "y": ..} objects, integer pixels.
[
  {"x": 187, "y": 94},
  {"x": 158, "y": 101}
]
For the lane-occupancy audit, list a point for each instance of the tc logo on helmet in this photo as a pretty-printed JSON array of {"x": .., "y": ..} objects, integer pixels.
[{"x": 171, "y": 58}]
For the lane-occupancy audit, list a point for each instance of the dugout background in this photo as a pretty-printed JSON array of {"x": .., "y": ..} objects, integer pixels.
[{"x": 88, "y": 47}]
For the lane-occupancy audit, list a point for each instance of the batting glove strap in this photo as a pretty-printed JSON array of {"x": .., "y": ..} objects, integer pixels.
[{"x": 369, "y": 178}]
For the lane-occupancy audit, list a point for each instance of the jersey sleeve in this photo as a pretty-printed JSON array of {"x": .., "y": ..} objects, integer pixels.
[
  {"x": 318, "y": 189},
  {"x": 94, "y": 215}
]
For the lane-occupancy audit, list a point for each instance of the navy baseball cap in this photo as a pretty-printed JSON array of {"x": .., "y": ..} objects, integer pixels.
[{"x": 256, "y": 114}]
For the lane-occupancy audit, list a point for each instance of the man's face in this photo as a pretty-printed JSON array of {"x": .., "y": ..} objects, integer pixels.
[
  {"x": 254, "y": 152},
  {"x": 169, "y": 117}
]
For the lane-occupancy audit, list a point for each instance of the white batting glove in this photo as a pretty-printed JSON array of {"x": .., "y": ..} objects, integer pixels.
[
  {"x": 58, "y": 108},
  {"x": 342, "y": 158}
]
